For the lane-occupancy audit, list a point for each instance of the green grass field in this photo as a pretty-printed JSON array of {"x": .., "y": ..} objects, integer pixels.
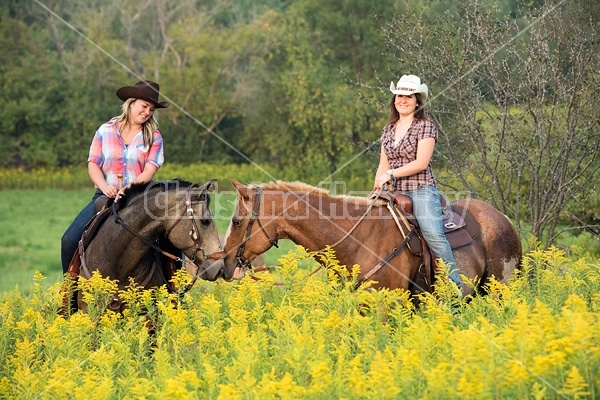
[{"x": 33, "y": 222}]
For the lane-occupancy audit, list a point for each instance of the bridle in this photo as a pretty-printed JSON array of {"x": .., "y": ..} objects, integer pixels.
[
  {"x": 194, "y": 235},
  {"x": 242, "y": 261},
  {"x": 194, "y": 230}
]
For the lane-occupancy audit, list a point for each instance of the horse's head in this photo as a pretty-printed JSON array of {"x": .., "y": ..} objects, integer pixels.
[
  {"x": 191, "y": 227},
  {"x": 247, "y": 236}
]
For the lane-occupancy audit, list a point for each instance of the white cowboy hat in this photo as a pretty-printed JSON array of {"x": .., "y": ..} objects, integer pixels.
[{"x": 410, "y": 84}]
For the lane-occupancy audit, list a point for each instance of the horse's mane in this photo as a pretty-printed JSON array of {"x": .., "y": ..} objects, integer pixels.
[
  {"x": 136, "y": 189},
  {"x": 298, "y": 186}
]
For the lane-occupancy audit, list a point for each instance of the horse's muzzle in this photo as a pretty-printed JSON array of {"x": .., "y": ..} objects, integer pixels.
[{"x": 238, "y": 273}]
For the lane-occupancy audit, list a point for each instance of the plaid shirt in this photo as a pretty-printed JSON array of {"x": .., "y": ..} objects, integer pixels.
[
  {"x": 406, "y": 151},
  {"x": 114, "y": 157}
]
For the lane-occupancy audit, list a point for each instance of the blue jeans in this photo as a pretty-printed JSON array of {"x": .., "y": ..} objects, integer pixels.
[
  {"x": 71, "y": 237},
  {"x": 427, "y": 208}
]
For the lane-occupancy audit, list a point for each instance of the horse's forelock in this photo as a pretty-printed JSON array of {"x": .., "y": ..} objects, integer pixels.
[{"x": 202, "y": 196}]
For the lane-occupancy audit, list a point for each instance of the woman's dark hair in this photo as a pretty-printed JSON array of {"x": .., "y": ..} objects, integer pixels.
[{"x": 419, "y": 111}]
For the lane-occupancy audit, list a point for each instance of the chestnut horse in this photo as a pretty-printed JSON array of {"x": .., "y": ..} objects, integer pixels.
[
  {"x": 360, "y": 231},
  {"x": 124, "y": 240}
]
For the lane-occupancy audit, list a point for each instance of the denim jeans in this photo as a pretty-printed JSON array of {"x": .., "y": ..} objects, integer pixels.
[
  {"x": 71, "y": 237},
  {"x": 427, "y": 208}
]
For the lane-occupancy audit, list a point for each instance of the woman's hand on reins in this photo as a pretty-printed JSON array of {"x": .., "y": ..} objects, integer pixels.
[
  {"x": 110, "y": 191},
  {"x": 121, "y": 192},
  {"x": 381, "y": 180}
]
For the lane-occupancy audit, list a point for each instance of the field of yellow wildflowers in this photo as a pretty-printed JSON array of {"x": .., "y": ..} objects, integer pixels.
[{"x": 294, "y": 336}]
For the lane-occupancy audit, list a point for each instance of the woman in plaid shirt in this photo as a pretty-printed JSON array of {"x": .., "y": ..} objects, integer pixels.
[
  {"x": 407, "y": 144},
  {"x": 127, "y": 149}
]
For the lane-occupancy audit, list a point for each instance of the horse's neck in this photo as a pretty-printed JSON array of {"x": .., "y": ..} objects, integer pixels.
[
  {"x": 323, "y": 222},
  {"x": 140, "y": 218},
  {"x": 125, "y": 245}
]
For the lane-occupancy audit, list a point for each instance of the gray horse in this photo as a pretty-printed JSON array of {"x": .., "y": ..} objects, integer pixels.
[{"x": 146, "y": 232}]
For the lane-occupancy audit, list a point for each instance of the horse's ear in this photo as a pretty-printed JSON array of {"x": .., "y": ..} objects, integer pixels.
[
  {"x": 209, "y": 186},
  {"x": 241, "y": 188}
]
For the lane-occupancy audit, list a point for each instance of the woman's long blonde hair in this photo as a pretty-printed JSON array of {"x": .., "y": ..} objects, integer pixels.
[{"x": 148, "y": 127}]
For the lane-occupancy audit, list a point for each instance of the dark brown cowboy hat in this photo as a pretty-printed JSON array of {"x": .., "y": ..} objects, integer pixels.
[{"x": 143, "y": 90}]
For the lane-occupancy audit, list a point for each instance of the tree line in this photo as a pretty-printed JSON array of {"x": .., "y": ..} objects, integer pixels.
[{"x": 302, "y": 87}]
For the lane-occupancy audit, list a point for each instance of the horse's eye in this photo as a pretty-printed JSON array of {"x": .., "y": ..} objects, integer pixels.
[
  {"x": 236, "y": 222},
  {"x": 205, "y": 222}
]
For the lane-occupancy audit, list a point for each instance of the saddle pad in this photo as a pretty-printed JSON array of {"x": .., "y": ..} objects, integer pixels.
[
  {"x": 74, "y": 265},
  {"x": 471, "y": 225},
  {"x": 452, "y": 220},
  {"x": 458, "y": 238},
  {"x": 91, "y": 229},
  {"x": 94, "y": 225}
]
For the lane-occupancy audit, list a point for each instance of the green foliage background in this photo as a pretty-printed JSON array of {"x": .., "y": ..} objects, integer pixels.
[{"x": 298, "y": 89}]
